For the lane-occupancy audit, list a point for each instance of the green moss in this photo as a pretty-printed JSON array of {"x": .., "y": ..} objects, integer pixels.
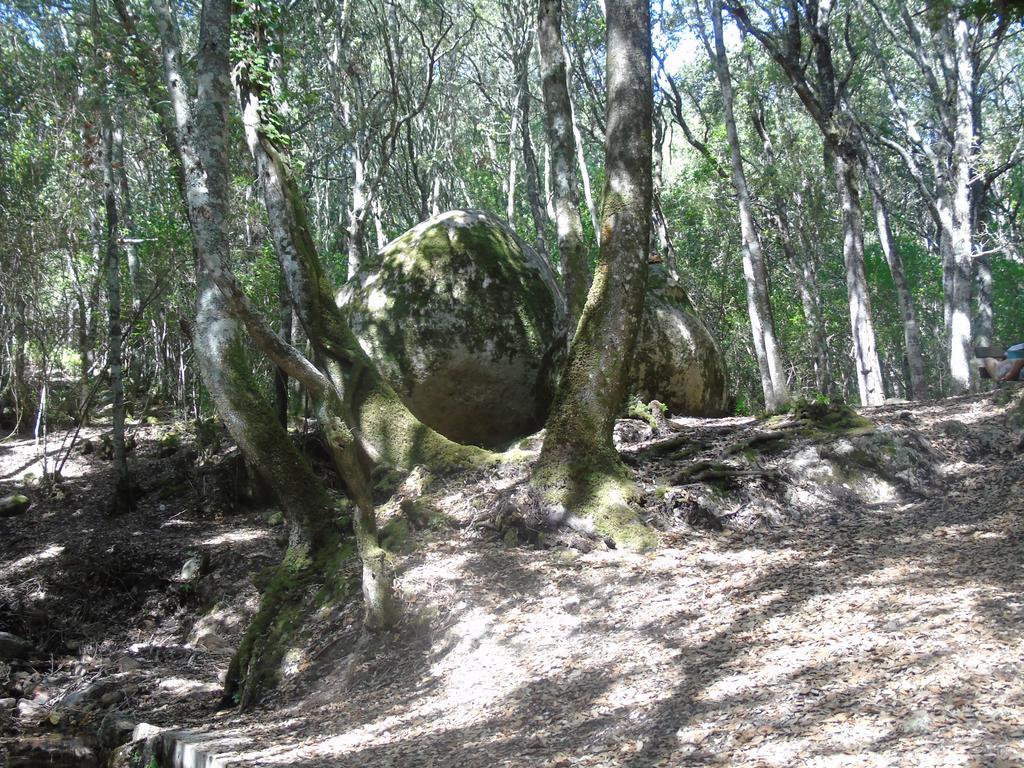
[
  {"x": 394, "y": 535},
  {"x": 600, "y": 492},
  {"x": 638, "y": 409},
  {"x": 404, "y": 442},
  {"x": 830, "y": 417},
  {"x": 286, "y": 604}
]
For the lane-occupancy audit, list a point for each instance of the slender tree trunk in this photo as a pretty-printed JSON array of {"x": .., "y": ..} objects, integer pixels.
[
  {"x": 357, "y": 213},
  {"x": 865, "y": 355},
  {"x": 513, "y": 164},
  {"x": 806, "y": 280},
  {"x": 121, "y": 503},
  {"x": 284, "y": 304},
  {"x": 562, "y": 147},
  {"x": 983, "y": 318},
  {"x": 127, "y": 221},
  {"x": 579, "y": 468},
  {"x": 961, "y": 245},
  {"x": 916, "y": 385},
  {"x": 581, "y": 159},
  {"x": 122, "y": 500},
  {"x": 530, "y": 172},
  {"x": 801, "y": 262},
  {"x": 762, "y": 324}
]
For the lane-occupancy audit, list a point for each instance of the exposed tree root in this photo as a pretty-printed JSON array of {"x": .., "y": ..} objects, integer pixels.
[
  {"x": 593, "y": 496},
  {"x": 711, "y": 471},
  {"x": 299, "y": 585}
]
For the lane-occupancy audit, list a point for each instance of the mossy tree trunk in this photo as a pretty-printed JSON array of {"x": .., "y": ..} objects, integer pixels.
[
  {"x": 200, "y": 143},
  {"x": 579, "y": 468}
]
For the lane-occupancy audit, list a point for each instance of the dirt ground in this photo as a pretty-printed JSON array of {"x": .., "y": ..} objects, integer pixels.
[{"x": 848, "y": 597}]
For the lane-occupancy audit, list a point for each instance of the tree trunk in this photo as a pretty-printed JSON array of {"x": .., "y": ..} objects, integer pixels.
[
  {"x": 127, "y": 222},
  {"x": 226, "y": 371},
  {"x": 510, "y": 200},
  {"x": 280, "y": 377},
  {"x": 581, "y": 159},
  {"x": 530, "y": 171},
  {"x": 762, "y": 323},
  {"x": 983, "y": 318},
  {"x": 806, "y": 280},
  {"x": 121, "y": 503},
  {"x": 558, "y": 123},
  {"x": 357, "y": 213},
  {"x": 865, "y": 355},
  {"x": 823, "y": 95},
  {"x": 961, "y": 245},
  {"x": 579, "y": 470},
  {"x": 916, "y": 385}
]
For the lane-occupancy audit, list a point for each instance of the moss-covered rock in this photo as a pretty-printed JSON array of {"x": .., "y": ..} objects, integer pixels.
[
  {"x": 676, "y": 360},
  {"x": 468, "y": 325},
  {"x": 15, "y": 504}
]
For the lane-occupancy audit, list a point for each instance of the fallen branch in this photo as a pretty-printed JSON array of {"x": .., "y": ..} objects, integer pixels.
[{"x": 711, "y": 471}]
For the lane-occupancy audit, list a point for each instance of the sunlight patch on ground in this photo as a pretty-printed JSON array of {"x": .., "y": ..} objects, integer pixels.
[
  {"x": 180, "y": 686},
  {"x": 235, "y": 537},
  {"x": 49, "y": 553}
]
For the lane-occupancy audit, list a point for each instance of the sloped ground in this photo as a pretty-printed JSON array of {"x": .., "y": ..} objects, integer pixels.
[{"x": 861, "y": 606}]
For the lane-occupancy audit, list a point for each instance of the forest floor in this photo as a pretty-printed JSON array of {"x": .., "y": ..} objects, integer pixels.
[{"x": 824, "y": 594}]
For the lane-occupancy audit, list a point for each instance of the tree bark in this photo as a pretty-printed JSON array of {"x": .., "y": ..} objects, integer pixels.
[
  {"x": 916, "y": 385},
  {"x": 122, "y": 502},
  {"x": 530, "y": 170},
  {"x": 960, "y": 340},
  {"x": 755, "y": 273},
  {"x": 579, "y": 469},
  {"x": 558, "y": 123},
  {"x": 865, "y": 355}
]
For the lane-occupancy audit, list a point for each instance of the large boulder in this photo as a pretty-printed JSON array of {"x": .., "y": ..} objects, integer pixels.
[
  {"x": 676, "y": 361},
  {"x": 467, "y": 323}
]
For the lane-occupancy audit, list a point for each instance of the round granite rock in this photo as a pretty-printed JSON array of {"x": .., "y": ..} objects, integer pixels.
[
  {"x": 676, "y": 360},
  {"x": 468, "y": 325}
]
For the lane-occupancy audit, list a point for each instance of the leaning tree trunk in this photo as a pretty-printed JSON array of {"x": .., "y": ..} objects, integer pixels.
[
  {"x": 916, "y": 385},
  {"x": 579, "y": 471},
  {"x": 558, "y": 123},
  {"x": 313, "y": 547},
  {"x": 362, "y": 419},
  {"x": 865, "y": 355},
  {"x": 759, "y": 309}
]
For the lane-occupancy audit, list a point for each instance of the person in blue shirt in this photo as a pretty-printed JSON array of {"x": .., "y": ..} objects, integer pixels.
[{"x": 1010, "y": 369}]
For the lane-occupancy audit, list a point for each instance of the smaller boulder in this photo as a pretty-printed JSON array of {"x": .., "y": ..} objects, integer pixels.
[
  {"x": 676, "y": 361},
  {"x": 13, "y": 647},
  {"x": 115, "y": 729},
  {"x": 15, "y": 504}
]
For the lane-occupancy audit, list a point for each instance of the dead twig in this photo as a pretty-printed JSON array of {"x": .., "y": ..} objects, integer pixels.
[{"x": 711, "y": 471}]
